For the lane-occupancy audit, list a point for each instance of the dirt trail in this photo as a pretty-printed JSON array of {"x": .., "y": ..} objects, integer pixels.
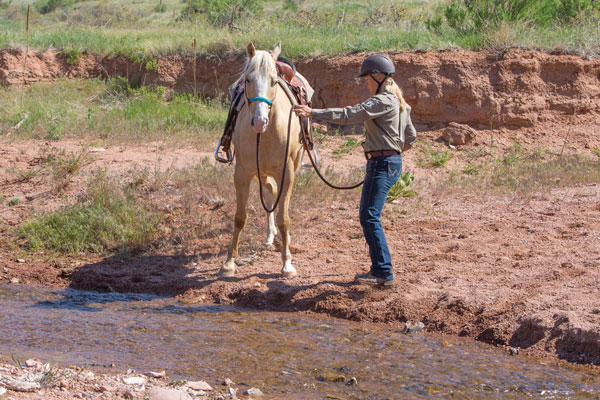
[{"x": 513, "y": 88}]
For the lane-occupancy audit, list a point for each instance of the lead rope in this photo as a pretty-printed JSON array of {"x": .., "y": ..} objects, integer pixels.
[
  {"x": 312, "y": 161},
  {"x": 280, "y": 188}
]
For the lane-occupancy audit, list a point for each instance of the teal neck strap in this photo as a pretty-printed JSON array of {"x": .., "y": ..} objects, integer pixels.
[{"x": 263, "y": 99}]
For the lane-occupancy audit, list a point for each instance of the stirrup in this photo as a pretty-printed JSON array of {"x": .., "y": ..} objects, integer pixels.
[
  {"x": 316, "y": 157},
  {"x": 227, "y": 154}
]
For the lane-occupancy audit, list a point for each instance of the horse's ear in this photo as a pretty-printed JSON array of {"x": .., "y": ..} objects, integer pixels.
[
  {"x": 276, "y": 50},
  {"x": 250, "y": 50}
]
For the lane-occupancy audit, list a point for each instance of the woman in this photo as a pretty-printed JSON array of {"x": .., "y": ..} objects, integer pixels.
[{"x": 389, "y": 131}]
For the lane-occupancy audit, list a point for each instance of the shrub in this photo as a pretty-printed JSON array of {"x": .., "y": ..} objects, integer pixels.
[
  {"x": 45, "y": 7},
  {"x": 109, "y": 218},
  {"x": 221, "y": 13},
  {"x": 466, "y": 16}
]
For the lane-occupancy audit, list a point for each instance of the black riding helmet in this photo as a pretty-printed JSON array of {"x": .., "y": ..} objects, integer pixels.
[{"x": 377, "y": 63}]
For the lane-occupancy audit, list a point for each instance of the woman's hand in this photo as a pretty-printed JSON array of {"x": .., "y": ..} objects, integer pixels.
[{"x": 303, "y": 111}]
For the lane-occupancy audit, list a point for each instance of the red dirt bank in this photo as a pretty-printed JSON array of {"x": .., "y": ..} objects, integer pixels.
[{"x": 514, "y": 88}]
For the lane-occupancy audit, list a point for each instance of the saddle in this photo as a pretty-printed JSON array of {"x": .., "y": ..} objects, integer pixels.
[{"x": 297, "y": 92}]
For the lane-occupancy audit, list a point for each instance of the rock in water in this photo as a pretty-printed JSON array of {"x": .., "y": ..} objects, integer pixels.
[
  {"x": 413, "y": 328},
  {"x": 253, "y": 392}
]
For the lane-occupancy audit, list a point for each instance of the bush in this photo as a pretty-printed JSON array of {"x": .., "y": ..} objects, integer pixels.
[
  {"x": 50, "y": 5},
  {"x": 221, "y": 13},
  {"x": 466, "y": 16}
]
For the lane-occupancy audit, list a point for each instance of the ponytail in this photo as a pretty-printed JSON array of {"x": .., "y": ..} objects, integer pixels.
[{"x": 390, "y": 86}]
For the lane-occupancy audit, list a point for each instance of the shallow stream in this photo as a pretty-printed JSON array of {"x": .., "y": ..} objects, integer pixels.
[{"x": 287, "y": 356}]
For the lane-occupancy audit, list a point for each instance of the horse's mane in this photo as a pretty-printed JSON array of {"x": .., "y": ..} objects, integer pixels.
[{"x": 262, "y": 62}]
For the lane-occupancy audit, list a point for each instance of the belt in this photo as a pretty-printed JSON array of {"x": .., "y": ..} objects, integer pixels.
[{"x": 380, "y": 153}]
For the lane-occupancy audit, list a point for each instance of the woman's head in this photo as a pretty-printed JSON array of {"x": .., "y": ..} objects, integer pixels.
[{"x": 377, "y": 71}]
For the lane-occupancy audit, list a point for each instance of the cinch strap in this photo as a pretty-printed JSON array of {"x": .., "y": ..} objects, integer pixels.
[{"x": 269, "y": 102}]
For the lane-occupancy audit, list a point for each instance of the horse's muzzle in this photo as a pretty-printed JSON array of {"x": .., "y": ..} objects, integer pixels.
[{"x": 260, "y": 124}]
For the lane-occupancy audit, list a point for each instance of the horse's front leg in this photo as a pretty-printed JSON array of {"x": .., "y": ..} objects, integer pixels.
[
  {"x": 241, "y": 180},
  {"x": 270, "y": 191},
  {"x": 283, "y": 223}
]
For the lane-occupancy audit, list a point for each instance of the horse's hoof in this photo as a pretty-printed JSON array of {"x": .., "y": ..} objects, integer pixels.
[
  {"x": 227, "y": 272},
  {"x": 289, "y": 272}
]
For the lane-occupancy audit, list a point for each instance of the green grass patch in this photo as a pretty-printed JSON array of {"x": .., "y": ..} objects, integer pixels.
[
  {"x": 113, "y": 110},
  {"x": 433, "y": 157},
  {"x": 109, "y": 218},
  {"x": 529, "y": 172},
  {"x": 306, "y": 28}
]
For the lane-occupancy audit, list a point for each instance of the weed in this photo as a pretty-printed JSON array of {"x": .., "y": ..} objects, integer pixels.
[
  {"x": 25, "y": 175},
  {"x": 597, "y": 152},
  {"x": 400, "y": 188},
  {"x": 471, "y": 169},
  {"x": 433, "y": 157},
  {"x": 73, "y": 55},
  {"x": 14, "y": 201},
  {"x": 526, "y": 172},
  {"x": 64, "y": 165},
  {"x": 152, "y": 64},
  {"x": 109, "y": 217},
  {"x": 347, "y": 146}
]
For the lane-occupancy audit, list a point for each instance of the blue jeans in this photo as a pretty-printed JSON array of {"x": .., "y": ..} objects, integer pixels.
[{"x": 382, "y": 173}]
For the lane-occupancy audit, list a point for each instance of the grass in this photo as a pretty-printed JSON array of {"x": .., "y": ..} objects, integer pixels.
[
  {"x": 112, "y": 111},
  {"x": 349, "y": 144},
  {"x": 521, "y": 171},
  {"x": 308, "y": 29},
  {"x": 108, "y": 218},
  {"x": 434, "y": 158}
]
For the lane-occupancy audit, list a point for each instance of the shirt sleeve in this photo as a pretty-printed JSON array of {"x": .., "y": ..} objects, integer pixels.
[
  {"x": 373, "y": 107},
  {"x": 410, "y": 133}
]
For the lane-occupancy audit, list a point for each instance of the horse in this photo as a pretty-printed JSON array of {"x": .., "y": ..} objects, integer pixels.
[{"x": 267, "y": 111}]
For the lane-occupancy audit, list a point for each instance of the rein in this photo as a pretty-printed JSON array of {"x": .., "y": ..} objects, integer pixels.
[
  {"x": 285, "y": 160},
  {"x": 305, "y": 141},
  {"x": 314, "y": 164}
]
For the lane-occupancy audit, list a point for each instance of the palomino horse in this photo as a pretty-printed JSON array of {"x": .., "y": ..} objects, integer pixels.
[{"x": 257, "y": 116}]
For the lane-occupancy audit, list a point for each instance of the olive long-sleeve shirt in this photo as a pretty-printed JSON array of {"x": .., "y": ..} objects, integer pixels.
[{"x": 387, "y": 128}]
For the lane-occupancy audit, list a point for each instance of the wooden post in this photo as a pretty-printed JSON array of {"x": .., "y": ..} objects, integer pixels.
[
  {"x": 27, "y": 49},
  {"x": 194, "y": 46}
]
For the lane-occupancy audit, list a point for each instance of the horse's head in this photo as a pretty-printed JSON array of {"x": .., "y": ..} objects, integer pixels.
[{"x": 260, "y": 74}]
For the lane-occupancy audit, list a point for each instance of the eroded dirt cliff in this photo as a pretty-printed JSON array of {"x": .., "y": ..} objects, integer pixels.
[{"x": 512, "y": 88}]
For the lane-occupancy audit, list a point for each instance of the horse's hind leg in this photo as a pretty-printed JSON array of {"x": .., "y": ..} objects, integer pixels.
[
  {"x": 283, "y": 222},
  {"x": 241, "y": 180},
  {"x": 270, "y": 191}
]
